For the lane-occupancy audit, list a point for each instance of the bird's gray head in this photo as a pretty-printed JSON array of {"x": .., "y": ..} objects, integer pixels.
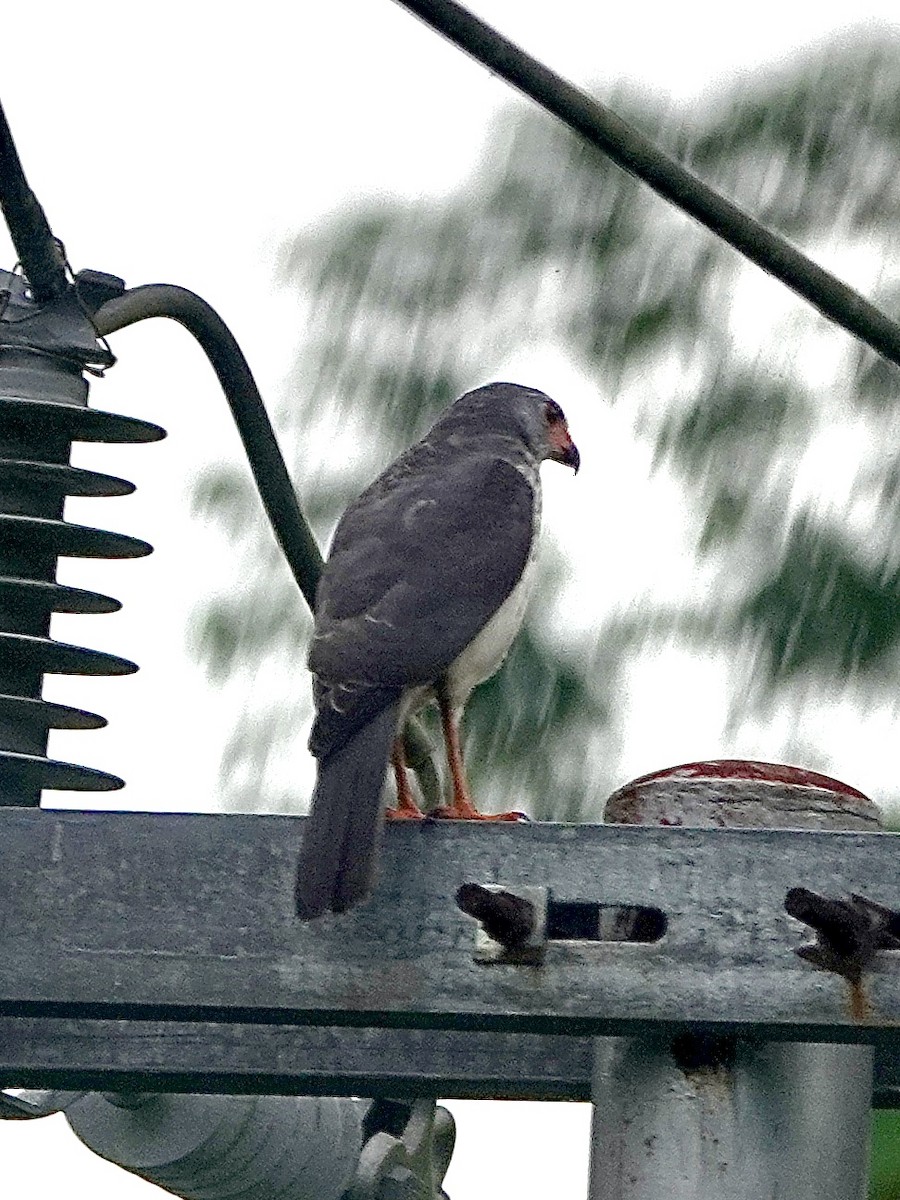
[{"x": 511, "y": 411}]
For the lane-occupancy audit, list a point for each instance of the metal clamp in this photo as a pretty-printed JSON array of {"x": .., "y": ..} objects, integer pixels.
[
  {"x": 512, "y": 924},
  {"x": 849, "y": 933}
]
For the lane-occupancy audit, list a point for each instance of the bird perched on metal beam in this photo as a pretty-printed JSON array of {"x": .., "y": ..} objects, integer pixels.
[{"x": 420, "y": 599}]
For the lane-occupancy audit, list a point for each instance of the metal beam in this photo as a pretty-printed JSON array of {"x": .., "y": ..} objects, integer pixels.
[
  {"x": 187, "y": 917},
  {"x": 101, "y": 1056},
  {"x": 282, "y": 1060}
]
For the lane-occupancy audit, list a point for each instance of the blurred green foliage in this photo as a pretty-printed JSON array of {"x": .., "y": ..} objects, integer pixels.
[
  {"x": 884, "y": 1183},
  {"x": 549, "y": 245}
]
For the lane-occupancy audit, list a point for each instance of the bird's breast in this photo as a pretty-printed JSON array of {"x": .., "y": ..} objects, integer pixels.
[
  {"x": 483, "y": 655},
  {"x": 487, "y": 650}
]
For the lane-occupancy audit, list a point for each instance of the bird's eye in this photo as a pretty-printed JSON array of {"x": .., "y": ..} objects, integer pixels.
[{"x": 553, "y": 412}]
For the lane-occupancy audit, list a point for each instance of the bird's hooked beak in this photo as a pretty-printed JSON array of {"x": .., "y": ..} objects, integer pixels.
[{"x": 562, "y": 448}]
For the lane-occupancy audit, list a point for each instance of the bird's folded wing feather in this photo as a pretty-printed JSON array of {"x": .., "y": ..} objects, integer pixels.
[{"x": 419, "y": 564}]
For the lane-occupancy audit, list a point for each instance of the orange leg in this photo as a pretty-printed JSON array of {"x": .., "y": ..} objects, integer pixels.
[
  {"x": 462, "y": 808},
  {"x": 407, "y": 809}
]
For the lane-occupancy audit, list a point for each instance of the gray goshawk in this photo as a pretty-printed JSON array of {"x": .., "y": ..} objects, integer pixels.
[{"x": 420, "y": 599}]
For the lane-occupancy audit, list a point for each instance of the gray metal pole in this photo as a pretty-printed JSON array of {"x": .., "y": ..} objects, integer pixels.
[{"x": 714, "y": 1118}]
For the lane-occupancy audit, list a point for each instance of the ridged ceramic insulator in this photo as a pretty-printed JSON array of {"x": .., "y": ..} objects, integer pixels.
[{"x": 43, "y": 410}]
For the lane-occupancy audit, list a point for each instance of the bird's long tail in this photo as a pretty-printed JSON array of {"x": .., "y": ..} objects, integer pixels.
[{"x": 343, "y": 831}]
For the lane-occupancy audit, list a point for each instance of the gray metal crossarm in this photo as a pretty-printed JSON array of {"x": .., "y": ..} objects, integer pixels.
[
  {"x": 187, "y": 918},
  {"x": 291, "y": 1060},
  {"x": 178, "y": 1056}
]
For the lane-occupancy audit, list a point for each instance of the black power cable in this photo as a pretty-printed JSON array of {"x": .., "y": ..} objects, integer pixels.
[
  {"x": 35, "y": 244},
  {"x": 233, "y": 372},
  {"x": 638, "y": 155}
]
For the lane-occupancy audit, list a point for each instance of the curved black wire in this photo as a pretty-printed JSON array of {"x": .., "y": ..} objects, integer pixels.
[
  {"x": 31, "y": 235},
  {"x": 263, "y": 453},
  {"x": 233, "y": 372}
]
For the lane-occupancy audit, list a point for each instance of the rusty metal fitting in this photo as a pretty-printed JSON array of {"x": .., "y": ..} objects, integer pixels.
[
  {"x": 512, "y": 925},
  {"x": 849, "y": 933}
]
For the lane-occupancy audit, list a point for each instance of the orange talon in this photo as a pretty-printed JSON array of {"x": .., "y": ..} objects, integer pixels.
[
  {"x": 462, "y": 808},
  {"x": 407, "y": 809}
]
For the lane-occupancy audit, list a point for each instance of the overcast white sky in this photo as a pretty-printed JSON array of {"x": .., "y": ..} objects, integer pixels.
[{"x": 184, "y": 142}]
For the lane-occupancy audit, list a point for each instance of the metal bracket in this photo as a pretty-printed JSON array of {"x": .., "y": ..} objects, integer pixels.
[
  {"x": 411, "y": 1163},
  {"x": 512, "y": 922}
]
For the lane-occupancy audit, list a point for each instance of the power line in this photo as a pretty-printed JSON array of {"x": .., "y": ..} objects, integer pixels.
[{"x": 638, "y": 155}]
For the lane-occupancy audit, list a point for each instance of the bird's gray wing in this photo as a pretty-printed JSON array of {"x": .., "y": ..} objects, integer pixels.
[{"x": 418, "y": 566}]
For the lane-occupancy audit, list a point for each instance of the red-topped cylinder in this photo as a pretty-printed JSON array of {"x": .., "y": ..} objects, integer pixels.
[{"x": 733, "y": 792}]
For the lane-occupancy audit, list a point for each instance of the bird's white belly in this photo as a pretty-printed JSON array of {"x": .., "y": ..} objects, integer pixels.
[
  {"x": 487, "y": 650},
  {"x": 483, "y": 655}
]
